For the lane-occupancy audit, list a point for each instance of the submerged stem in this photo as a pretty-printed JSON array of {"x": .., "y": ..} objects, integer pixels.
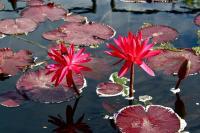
[
  {"x": 131, "y": 86},
  {"x": 30, "y": 42}
]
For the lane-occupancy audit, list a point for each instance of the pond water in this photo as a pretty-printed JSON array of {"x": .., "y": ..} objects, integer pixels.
[{"x": 32, "y": 117}]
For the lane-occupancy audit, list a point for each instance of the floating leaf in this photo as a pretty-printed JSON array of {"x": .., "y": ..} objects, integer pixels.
[
  {"x": 35, "y": 2},
  {"x": 197, "y": 20},
  {"x": 42, "y": 12},
  {"x": 1, "y": 6},
  {"x": 149, "y": 1},
  {"x": 170, "y": 61},
  {"x": 11, "y": 99},
  {"x": 196, "y": 50},
  {"x": 100, "y": 68},
  {"x": 17, "y": 26},
  {"x": 75, "y": 18},
  {"x": 82, "y": 34},
  {"x": 11, "y": 63},
  {"x": 119, "y": 80},
  {"x": 152, "y": 119},
  {"x": 37, "y": 86},
  {"x": 159, "y": 33},
  {"x": 108, "y": 89}
]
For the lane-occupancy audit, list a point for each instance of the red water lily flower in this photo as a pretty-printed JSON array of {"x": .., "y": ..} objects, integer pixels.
[
  {"x": 133, "y": 50},
  {"x": 67, "y": 62}
]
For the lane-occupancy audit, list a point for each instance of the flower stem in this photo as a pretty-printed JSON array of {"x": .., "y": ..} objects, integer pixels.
[
  {"x": 131, "y": 86},
  {"x": 75, "y": 88},
  {"x": 178, "y": 83}
]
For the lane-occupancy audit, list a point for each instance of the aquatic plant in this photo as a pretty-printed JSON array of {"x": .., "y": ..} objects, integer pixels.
[
  {"x": 159, "y": 33},
  {"x": 133, "y": 50},
  {"x": 67, "y": 62},
  {"x": 81, "y": 34},
  {"x": 17, "y": 26},
  {"x": 37, "y": 86},
  {"x": 17, "y": 61},
  {"x": 170, "y": 61},
  {"x": 41, "y": 13},
  {"x": 149, "y": 119}
]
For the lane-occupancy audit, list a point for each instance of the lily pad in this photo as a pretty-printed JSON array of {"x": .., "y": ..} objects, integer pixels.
[
  {"x": 11, "y": 99},
  {"x": 11, "y": 62},
  {"x": 197, "y": 20},
  {"x": 1, "y": 6},
  {"x": 82, "y": 34},
  {"x": 170, "y": 61},
  {"x": 100, "y": 68},
  {"x": 159, "y": 33},
  {"x": 75, "y": 18},
  {"x": 41, "y": 13},
  {"x": 109, "y": 89},
  {"x": 35, "y": 2},
  {"x": 17, "y": 26},
  {"x": 152, "y": 119},
  {"x": 149, "y": 1},
  {"x": 37, "y": 86}
]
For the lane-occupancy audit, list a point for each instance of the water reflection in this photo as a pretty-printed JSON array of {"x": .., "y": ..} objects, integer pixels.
[
  {"x": 180, "y": 106},
  {"x": 184, "y": 9},
  {"x": 82, "y": 10},
  {"x": 69, "y": 125}
]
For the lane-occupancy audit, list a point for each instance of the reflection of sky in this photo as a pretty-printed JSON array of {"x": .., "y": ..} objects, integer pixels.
[{"x": 34, "y": 115}]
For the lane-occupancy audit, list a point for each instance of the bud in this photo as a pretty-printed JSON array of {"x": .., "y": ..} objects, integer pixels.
[{"x": 184, "y": 69}]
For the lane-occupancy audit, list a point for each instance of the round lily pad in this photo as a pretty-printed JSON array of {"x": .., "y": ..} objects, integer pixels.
[
  {"x": 11, "y": 99},
  {"x": 37, "y": 86},
  {"x": 82, "y": 34},
  {"x": 11, "y": 62},
  {"x": 109, "y": 89},
  {"x": 17, "y": 26},
  {"x": 35, "y": 2},
  {"x": 149, "y": 1},
  {"x": 42, "y": 12},
  {"x": 197, "y": 20},
  {"x": 159, "y": 33},
  {"x": 170, "y": 61},
  {"x": 1, "y": 6},
  {"x": 152, "y": 119},
  {"x": 100, "y": 68},
  {"x": 75, "y": 18}
]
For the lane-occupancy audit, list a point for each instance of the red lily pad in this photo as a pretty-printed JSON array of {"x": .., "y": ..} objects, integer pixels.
[
  {"x": 35, "y": 2},
  {"x": 100, "y": 68},
  {"x": 197, "y": 20},
  {"x": 11, "y": 99},
  {"x": 37, "y": 86},
  {"x": 152, "y": 119},
  {"x": 42, "y": 12},
  {"x": 17, "y": 26},
  {"x": 149, "y": 1},
  {"x": 108, "y": 89},
  {"x": 170, "y": 61},
  {"x": 1, "y": 6},
  {"x": 159, "y": 33},
  {"x": 75, "y": 18},
  {"x": 11, "y": 63},
  {"x": 82, "y": 34}
]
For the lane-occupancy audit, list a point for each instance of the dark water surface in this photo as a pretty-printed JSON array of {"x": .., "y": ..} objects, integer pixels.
[{"x": 32, "y": 117}]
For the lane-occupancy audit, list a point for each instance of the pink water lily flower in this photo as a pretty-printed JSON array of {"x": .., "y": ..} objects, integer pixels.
[
  {"x": 67, "y": 62},
  {"x": 133, "y": 50}
]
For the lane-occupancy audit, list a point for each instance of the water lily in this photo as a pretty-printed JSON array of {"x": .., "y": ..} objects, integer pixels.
[
  {"x": 67, "y": 62},
  {"x": 133, "y": 50}
]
